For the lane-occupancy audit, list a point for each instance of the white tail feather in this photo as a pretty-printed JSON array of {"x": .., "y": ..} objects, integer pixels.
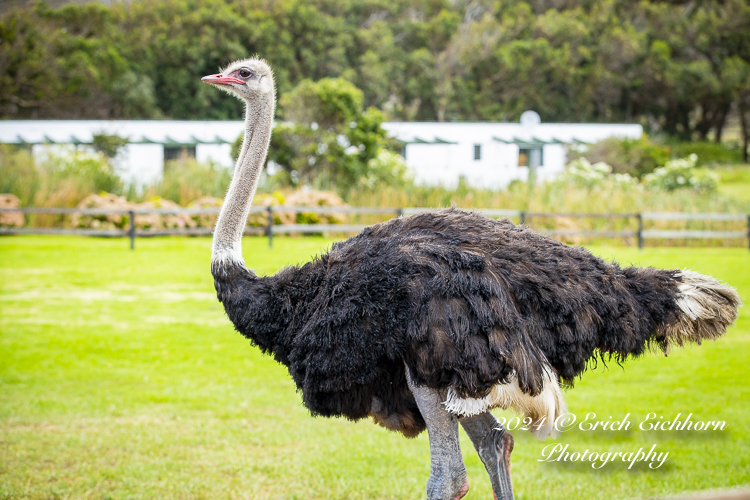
[{"x": 709, "y": 306}]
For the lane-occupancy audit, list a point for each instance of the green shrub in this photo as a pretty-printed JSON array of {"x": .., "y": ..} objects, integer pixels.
[
  {"x": 635, "y": 157},
  {"x": 108, "y": 145},
  {"x": 90, "y": 169},
  {"x": 581, "y": 173},
  {"x": 709, "y": 153},
  {"x": 682, "y": 173},
  {"x": 386, "y": 168}
]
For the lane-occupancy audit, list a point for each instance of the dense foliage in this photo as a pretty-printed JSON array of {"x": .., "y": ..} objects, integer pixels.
[
  {"x": 330, "y": 141},
  {"x": 679, "y": 66}
]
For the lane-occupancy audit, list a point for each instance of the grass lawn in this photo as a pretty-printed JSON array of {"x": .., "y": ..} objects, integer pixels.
[
  {"x": 120, "y": 377},
  {"x": 735, "y": 182}
]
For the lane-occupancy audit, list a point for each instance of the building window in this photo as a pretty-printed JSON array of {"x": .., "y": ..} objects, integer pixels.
[
  {"x": 524, "y": 156},
  {"x": 477, "y": 151},
  {"x": 179, "y": 152}
]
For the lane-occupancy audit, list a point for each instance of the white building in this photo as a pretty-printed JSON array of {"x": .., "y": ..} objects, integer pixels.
[
  {"x": 486, "y": 154},
  {"x": 141, "y": 161},
  {"x": 491, "y": 155}
]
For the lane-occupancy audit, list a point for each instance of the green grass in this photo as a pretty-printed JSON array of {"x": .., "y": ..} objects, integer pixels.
[
  {"x": 735, "y": 182},
  {"x": 120, "y": 377}
]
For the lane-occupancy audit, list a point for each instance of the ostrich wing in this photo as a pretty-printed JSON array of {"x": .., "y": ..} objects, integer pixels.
[{"x": 401, "y": 291}]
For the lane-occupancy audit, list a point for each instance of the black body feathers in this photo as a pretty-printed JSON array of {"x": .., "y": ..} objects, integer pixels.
[{"x": 463, "y": 300}]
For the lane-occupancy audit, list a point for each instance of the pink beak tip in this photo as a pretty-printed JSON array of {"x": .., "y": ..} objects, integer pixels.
[{"x": 219, "y": 78}]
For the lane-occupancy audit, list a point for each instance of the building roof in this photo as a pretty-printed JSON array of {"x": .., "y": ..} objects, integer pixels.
[
  {"x": 528, "y": 135},
  {"x": 166, "y": 132}
]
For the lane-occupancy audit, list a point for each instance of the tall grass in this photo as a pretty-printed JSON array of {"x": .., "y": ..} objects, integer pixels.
[
  {"x": 57, "y": 180},
  {"x": 559, "y": 197},
  {"x": 186, "y": 180},
  {"x": 550, "y": 197}
]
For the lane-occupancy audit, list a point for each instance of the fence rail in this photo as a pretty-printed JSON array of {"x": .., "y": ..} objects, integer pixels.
[{"x": 271, "y": 228}]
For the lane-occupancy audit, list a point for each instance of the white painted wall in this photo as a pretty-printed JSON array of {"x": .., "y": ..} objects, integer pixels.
[
  {"x": 443, "y": 164},
  {"x": 554, "y": 162},
  {"x": 218, "y": 154},
  {"x": 43, "y": 152},
  {"x": 140, "y": 164}
]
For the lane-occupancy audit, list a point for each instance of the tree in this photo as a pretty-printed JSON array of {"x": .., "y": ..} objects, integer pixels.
[
  {"x": 108, "y": 145},
  {"x": 663, "y": 64},
  {"x": 329, "y": 140},
  {"x": 738, "y": 70}
]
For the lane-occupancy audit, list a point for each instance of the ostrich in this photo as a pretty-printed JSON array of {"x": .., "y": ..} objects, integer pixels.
[{"x": 431, "y": 320}]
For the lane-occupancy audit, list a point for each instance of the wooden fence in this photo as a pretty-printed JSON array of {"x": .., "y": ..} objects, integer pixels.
[{"x": 638, "y": 233}]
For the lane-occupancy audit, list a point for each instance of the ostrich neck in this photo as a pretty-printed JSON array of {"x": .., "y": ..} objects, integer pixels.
[{"x": 227, "y": 243}]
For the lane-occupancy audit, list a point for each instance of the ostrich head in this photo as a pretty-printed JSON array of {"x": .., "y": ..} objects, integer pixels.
[{"x": 247, "y": 79}]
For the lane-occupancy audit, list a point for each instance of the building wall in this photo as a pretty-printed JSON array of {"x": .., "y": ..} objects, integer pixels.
[
  {"x": 218, "y": 154},
  {"x": 554, "y": 162},
  {"x": 141, "y": 164},
  {"x": 444, "y": 164}
]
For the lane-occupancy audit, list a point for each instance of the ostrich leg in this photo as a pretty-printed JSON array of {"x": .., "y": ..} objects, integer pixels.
[
  {"x": 494, "y": 445},
  {"x": 448, "y": 480}
]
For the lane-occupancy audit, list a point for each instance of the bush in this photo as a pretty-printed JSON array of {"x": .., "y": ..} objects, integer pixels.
[
  {"x": 108, "y": 145},
  {"x": 107, "y": 221},
  {"x": 12, "y": 219},
  {"x": 681, "y": 174},
  {"x": 90, "y": 169},
  {"x": 581, "y": 173},
  {"x": 121, "y": 220},
  {"x": 635, "y": 157},
  {"x": 313, "y": 198},
  {"x": 387, "y": 168},
  {"x": 709, "y": 153}
]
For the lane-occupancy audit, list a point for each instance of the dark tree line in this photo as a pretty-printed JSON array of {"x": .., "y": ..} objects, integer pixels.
[{"x": 677, "y": 66}]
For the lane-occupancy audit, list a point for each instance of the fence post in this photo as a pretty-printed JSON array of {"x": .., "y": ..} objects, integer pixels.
[
  {"x": 640, "y": 231},
  {"x": 131, "y": 231},
  {"x": 523, "y": 218},
  {"x": 269, "y": 229}
]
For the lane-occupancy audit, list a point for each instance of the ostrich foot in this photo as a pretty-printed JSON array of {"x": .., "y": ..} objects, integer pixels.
[
  {"x": 463, "y": 491},
  {"x": 447, "y": 485},
  {"x": 494, "y": 445}
]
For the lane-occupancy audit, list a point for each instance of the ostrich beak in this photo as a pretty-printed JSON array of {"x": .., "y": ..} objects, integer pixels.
[{"x": 221, "y": 79}]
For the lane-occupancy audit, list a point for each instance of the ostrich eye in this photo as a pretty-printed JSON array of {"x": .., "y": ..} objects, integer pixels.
[{"x": 246, "y": 73}]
